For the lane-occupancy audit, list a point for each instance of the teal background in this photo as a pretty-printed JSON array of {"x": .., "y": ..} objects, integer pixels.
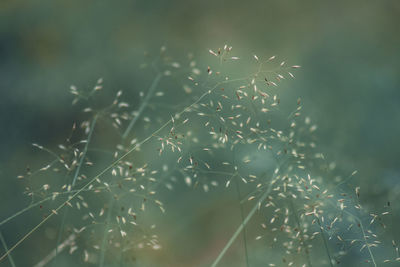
[{"x": 349, "y": 84}]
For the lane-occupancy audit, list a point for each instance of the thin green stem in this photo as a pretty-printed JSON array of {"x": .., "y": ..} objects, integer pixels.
[
  {"x": 31, "y": 206},
  {"x": 363, "y": 233},
  {"x": 325, "y": 242},
  {"x": 241, "y": 227},
  {"x": 76, "y": 174},
  {"x": 24, "y": 210},
  {"x": 67, "y": 242},
  {"x": 59, "y": 236},
  {"x": 296, "y": 217},
  {"x": 3, "y": 241},
  {"x": 366, "y": 243},
  {"x": 145, "y": 102},
  {"x": 105, "y": 235},
  {"x": 242, "y": 218},
  {"x": 85, "y": 149},
  {"x": 364, "y": 236}
]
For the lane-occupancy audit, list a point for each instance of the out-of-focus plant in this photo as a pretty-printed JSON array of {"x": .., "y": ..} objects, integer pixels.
[{"x": 229, "y": 129}]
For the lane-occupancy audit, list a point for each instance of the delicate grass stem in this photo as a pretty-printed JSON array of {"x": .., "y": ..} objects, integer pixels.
[
  {"x": 52, "y": 198},
  {"x": 363, "y": 233},
  {"x": 242, "y": 218},
  {"x": 150, "y": 93},
  {"x": 78, "y": 169},
  {"x": 241, "y": 227},
  {"x": 364, "y": 236},
  {"x": 145, "y": 102},
  {"x": 366, "y": 243},
  {"x": 296, "y": 218},
  {"x": 67, "y": 242},
  {"x": 105, "y": 234},
  {"x": 59, "y": 236},
  {"x": 325, "y": 243},
  {"x": 24, "y": 210},
  {"x": 3, "y": 242},
  {"x": 76, "y": 175}
]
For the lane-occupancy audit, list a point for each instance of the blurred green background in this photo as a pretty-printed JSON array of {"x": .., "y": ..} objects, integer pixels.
[{"x": 349, "y": 84}]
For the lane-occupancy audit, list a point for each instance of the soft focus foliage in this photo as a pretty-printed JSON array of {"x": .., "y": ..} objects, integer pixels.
[{"x": 174, "y": 148}]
